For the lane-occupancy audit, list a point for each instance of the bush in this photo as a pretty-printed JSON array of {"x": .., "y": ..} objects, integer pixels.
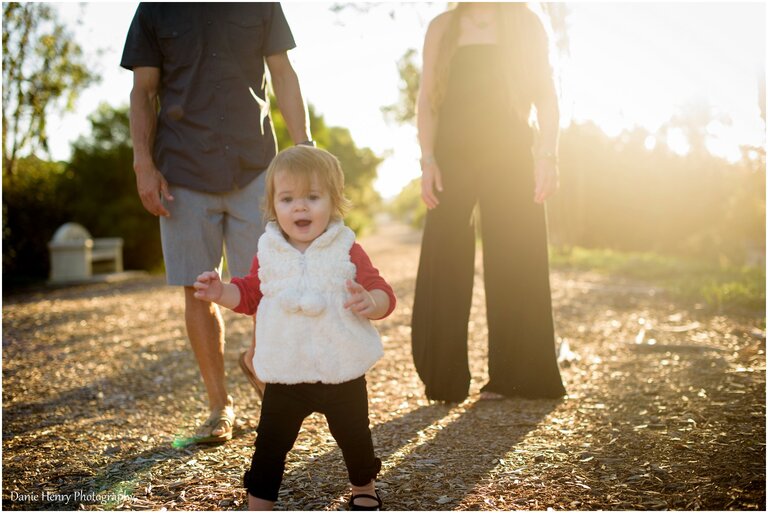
[
  {"x": 33, "y": 209},
  {"x": 100, "y": 187},
  {"x": 408, "y": 206},
  {"x": 97, "y": 189}
]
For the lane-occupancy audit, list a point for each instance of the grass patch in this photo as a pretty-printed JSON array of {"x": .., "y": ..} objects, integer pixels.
[{"x": 722, "y": 287}]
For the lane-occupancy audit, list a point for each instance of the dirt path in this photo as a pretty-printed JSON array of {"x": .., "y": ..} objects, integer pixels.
[{"x": 98, "y": 383}]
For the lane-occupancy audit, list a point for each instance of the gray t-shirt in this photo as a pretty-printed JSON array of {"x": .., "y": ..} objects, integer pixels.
[{"x": 214, "y": 133}]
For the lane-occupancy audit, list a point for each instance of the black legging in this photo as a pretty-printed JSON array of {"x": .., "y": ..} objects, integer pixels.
[{"x": 284, "y": 408}]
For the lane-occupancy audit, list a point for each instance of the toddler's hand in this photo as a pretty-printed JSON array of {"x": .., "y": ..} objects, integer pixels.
[
  {"x": 360, "y": 300},
  {"x": 208, "y": 286}
]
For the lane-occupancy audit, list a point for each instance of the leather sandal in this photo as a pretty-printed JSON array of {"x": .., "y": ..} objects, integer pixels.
[
  {"x": 248, "y": 374},
  {"x": 356, "y": 507},
  {"x": 223, "y": 418}
]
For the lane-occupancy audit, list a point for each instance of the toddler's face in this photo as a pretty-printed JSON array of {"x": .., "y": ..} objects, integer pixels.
[{"x": 303, "y": 209}]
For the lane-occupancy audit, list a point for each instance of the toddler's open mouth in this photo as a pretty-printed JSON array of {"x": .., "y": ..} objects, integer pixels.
[{"x": 301, "y": 223}]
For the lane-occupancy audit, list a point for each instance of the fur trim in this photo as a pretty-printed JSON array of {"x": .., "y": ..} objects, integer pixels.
[{"x": 303, "y": 332}]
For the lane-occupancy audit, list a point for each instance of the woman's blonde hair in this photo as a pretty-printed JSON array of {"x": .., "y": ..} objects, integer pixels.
[
  {"x": 525, "y": 51},
  {"x": 302, "y": 163}
]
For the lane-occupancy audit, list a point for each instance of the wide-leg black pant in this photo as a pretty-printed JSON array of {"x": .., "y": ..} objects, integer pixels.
[
  {"x": 521, "y": 349},
  {"x": 283, "y": 410}
]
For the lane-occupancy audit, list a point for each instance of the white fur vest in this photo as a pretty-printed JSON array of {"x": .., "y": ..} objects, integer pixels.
[{"x": 303, "y": 332}]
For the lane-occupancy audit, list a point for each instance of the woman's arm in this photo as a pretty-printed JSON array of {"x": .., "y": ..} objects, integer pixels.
[
  {"x": 548, "y": 116},
  {"x": 426, "y": 117},
  {"x": 545, "y": 153}
]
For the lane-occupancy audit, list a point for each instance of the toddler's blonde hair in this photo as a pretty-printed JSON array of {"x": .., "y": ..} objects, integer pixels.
[{"x": 302, "y": 163}]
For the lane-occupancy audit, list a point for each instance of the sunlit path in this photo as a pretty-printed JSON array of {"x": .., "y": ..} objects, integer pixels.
[{"x": 98, "y": 382}]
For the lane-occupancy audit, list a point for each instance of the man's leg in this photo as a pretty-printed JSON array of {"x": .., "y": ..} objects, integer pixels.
[
  {"x": 243, "y": 225},
  {"x": 192, "y": 240},
  {"x": 205, "y": 329}
]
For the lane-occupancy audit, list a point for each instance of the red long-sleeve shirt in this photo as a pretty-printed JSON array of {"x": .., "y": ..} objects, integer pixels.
[{"x": 367, "y": 276}]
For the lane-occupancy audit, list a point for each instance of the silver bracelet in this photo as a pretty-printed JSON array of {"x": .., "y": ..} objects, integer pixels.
[
  {"x": 426, "y": 160},
  {"x": 547, "y": 155}
]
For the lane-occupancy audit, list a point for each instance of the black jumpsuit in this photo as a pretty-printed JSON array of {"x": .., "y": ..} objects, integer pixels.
[{"x": 483, "y": 150}]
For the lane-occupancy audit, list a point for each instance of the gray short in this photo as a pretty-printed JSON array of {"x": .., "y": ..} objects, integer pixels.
[{"x": 202, "y": 223}]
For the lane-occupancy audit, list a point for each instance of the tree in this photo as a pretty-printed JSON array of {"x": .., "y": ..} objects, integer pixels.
[
  {"x": 42, "y": 65},
  {"x": 404, "y": 111},
  {"x": 408, "y": 205},
  {"x": 97, "y": 189},
  {"x": 32, "y": 210},
  {"x": 100, "y": 189}
]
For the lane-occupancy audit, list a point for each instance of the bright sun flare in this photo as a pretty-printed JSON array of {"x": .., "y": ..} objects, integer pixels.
[{"x": 630, "y": 64}]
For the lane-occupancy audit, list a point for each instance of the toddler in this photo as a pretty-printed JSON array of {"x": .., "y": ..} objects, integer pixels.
[{"x": 314, "y": 292}]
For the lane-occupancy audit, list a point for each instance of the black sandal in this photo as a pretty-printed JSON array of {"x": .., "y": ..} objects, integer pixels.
[{"x": 355, "y": 507}]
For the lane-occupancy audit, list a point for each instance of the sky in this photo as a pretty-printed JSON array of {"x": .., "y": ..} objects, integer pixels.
[{"x": 630, "y": 65}]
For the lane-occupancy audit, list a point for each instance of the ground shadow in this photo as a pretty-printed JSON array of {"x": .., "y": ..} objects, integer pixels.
[
  {"x": 476, "y": 443},
  {"x": 310, "y": 485},
  {"x": 412, "y": 454}
]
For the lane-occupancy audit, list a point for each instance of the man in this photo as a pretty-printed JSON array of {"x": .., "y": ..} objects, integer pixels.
[{"x": 202, "y": 138}]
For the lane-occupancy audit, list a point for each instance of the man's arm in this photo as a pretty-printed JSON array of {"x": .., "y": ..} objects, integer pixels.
[
  {"x": 149, "y": 181},
  {"x": 285, "y": 82}
]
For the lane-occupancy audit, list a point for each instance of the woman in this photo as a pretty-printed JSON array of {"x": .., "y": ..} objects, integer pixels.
[{"x": 485, "y": 66}]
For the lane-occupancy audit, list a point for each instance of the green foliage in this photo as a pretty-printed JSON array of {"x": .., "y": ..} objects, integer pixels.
[
  {"x": 97, "y": 189},
  {"x": 359, "y": 165},
  {"x": 408, "y": 206},
  {"x": 100, "y": 187},
  {"x": 615, "y": 193},
  {"x": 42, "y": 65},
  {"x": 404, "y": 111},
  {"x": 32, "y": 211},
  {"x": 718, "y": 286}
]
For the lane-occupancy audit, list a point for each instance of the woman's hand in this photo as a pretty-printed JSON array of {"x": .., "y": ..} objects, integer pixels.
[
  {"x": 547, "y": 180},
  {"x": 431, "y": 181}
]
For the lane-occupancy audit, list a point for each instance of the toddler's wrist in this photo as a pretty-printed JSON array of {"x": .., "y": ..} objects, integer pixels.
[{"x": 217, "y": 298}]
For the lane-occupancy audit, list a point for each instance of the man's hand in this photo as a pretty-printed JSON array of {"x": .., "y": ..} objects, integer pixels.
[
  {"x": 152, "y": 185},
  {"x": 144, "y": 103}
]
